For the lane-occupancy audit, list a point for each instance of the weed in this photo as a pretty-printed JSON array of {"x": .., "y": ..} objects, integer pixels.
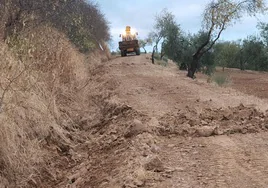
[{"x": 220, "y": 78}]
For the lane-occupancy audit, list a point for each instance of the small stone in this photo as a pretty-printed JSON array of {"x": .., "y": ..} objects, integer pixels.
[
  {"x": 154, "y": 164},
  {"x": 244, "y": 131},
  {"x": 135, "y": 129},
  {"x": 155, "y": 149},
  {"x": 180, "y": 169},
  {"x": 139, "y": 183},
  {"x": 205, "y": 131},
  {"x": 114, "y": 117},
  {"x": 217, "y": 131},
  {"x": 204, "y": 122},
  {"x": 171, "y": 145}
]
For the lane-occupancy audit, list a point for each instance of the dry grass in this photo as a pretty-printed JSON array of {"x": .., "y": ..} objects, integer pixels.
[{"x": 45, "y": 91}]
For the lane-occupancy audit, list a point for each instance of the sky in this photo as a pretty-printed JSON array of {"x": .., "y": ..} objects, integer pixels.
[{"x": 140, "y": 15}]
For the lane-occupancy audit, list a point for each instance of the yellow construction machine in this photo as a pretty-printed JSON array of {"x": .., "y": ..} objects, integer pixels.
[{"x": 129, "y": 43}]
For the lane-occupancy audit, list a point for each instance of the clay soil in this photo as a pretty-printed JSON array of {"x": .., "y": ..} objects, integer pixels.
[
  {"x": 250, "y": 82},
  {"x": 158, "y": 128}
]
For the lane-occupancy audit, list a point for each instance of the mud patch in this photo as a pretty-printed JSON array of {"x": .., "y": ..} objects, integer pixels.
[{"x": 209, "y": 122}]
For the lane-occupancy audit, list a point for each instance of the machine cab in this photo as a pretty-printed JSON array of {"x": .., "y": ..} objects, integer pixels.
[{"x": 129, "y": 34}]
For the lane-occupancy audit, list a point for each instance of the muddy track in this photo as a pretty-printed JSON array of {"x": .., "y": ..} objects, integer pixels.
[{"x": 161, "y": 129}]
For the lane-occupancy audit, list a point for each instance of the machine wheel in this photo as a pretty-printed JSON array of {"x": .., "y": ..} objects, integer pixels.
[
  {"x": 123, "y": 53},
  {"x": 138, "y": 52}
]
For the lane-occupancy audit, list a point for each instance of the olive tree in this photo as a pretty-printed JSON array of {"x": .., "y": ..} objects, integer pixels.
[
  {"x": 263, "y": 27},
  {"x": 227, "y": 54},
  {"x": 173, "y": 43},
  {"x": 164, "y": 22},
  {"x": 219, "y": 15},
  {"x": 144, "y": 43}
]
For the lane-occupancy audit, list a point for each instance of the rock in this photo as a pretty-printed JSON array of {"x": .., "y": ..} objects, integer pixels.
[
  {"x": 205, "y": 131},
  {"x": 204, "y": 122},
  {"x": 155, "y": 149},
  {"x": 135, "y": 129},
  {"x": 180, "y": 169},
  {"x": 139, "y": 183},
  {"x": 171, "y": 146},
  {"x": 154, "y": 164},
  {"x": 244, "y": 131},
  {"x": 217, "y": 131}
]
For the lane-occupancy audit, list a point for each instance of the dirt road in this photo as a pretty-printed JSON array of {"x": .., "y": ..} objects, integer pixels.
[
  {"x": 161, "y": 129},
  {"x": 238, "y": 160}
]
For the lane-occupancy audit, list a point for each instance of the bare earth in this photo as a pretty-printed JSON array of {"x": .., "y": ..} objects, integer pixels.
[{"x": 162, "y": 129}]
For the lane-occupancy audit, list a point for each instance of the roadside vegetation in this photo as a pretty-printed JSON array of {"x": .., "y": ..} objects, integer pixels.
[
  {"x": 203, "y": 51},
  {"x": 48, "y": 51}
]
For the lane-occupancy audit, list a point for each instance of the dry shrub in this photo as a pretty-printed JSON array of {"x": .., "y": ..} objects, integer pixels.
[
  {"x": 45, "y": 89},
  {"x": 221, "y": 78},
  {"x": 81, "y": 21}
]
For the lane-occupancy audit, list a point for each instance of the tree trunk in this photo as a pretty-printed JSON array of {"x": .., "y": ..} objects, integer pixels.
[
  {"x": 193, "y": 66},
  {"x": 153, "y": 55},
  {"x": 162, "y": 55},
  {"x": 144, "y": 50}
]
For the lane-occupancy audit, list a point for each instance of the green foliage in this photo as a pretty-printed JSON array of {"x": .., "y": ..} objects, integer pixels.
[
  {"x": 144, "y": 43},
  {"x": 207, "y": 63},
  {"x": 217, "y": 16},
  {"x": 188, "y": 45},
  {"x": 254, "y": 54},
  {"x": 226, "y": 54},
  {"x": 172, "y": 43},
  {"x": 200, "y": 52},
  {"x": 263, "y": 27},
  {"x": 163, "y": 22}
]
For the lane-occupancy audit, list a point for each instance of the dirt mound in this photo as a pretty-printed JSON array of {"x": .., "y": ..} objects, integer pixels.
[
  {"x": 122, "y": 151},
  {"x": 208, "y": 122},
  {"x": 119, "y": 138}
]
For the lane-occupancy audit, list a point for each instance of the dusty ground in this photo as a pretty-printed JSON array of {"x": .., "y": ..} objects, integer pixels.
[
  {"x": 158, "y": 128},
  {"x": 250, "y": 82}
]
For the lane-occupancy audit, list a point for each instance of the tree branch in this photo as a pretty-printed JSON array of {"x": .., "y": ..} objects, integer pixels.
[
  {"x": 207, "y": 41},
  {"x": 214, "y": 41}
]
